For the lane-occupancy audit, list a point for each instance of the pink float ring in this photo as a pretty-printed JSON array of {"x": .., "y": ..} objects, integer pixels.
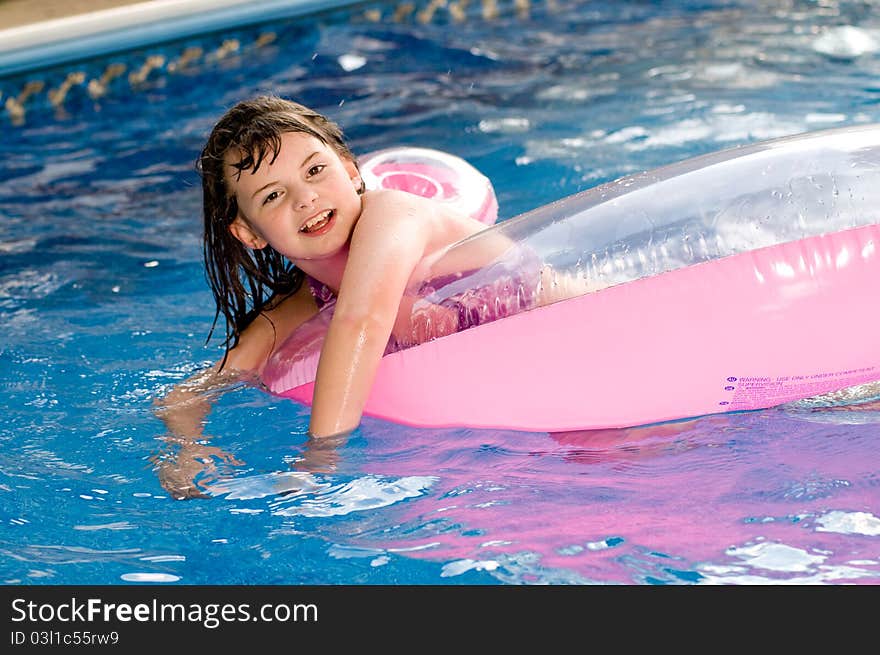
[{"x": 432, "y": 174}]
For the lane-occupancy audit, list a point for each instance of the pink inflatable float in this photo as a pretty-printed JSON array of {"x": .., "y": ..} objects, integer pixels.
[{"x": 738, "y": 280}]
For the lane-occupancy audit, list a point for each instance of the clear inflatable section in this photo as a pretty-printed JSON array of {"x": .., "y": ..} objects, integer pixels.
[{"x": 701, "y": 209}]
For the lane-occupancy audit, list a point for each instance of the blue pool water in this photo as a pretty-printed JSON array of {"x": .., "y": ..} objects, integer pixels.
[{"x": 104, "y": 306}]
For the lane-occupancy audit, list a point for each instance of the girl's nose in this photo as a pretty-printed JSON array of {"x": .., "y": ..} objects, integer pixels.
[{"x": 306, "y": 199}]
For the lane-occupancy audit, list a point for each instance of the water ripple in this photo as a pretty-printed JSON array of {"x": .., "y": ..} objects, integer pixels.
[{"x": 303, "y": 494}]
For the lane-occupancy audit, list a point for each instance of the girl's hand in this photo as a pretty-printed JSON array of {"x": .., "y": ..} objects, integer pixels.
[
  {"x": 432, "y": 322},
  {"x": 420, "y": 322},
  {"x": 560, "y": 285},
  {"x": 187, "y": 473}
]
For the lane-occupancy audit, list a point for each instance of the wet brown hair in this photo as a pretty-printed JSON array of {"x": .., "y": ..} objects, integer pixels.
[{"x": 244, "y": 281}]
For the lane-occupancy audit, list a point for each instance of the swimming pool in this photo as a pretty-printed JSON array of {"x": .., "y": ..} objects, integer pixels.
[{"x": 104, "y": 306}]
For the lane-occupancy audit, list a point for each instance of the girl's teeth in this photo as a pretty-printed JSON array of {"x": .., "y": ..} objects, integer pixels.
[{"x": 319, "y": 220}]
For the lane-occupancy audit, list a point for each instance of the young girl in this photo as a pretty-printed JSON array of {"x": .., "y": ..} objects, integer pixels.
[{"x": 286, "y": 213}]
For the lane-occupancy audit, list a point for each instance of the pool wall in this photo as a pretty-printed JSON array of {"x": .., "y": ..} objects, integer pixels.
[
  {"x": 45, "y": 65},
  {"x": 63, "y": 40}
]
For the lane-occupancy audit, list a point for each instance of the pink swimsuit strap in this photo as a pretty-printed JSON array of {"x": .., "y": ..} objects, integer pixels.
[{"x": 321, "y": 292}]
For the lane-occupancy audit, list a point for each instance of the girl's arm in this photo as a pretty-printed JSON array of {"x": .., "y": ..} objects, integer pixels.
[
  {"x": 388, "y": 242},
  {"x": 185, "y": 406},
  {"x": 184, "y": 409}
]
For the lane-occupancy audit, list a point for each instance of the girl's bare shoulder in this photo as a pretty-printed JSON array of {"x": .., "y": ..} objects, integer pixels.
[
  {"x": 403, "y": 204},
  {"x": 439, "y": 223},
  {"x": 394, "y": 199}
]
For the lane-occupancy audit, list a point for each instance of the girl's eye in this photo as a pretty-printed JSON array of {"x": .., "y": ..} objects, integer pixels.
[
  {"x": 317, "y": 168},
  {"x": 270, "y": 198}
]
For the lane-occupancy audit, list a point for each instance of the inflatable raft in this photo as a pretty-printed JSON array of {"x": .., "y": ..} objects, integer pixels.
[{"x": 733, "y": 281}]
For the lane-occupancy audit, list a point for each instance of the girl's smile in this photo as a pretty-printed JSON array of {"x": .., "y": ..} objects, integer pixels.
[{"x": 318, "y": 224}]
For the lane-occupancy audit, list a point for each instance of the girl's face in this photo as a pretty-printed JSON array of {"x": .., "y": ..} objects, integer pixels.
[{"x": 304, "y": 204}]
